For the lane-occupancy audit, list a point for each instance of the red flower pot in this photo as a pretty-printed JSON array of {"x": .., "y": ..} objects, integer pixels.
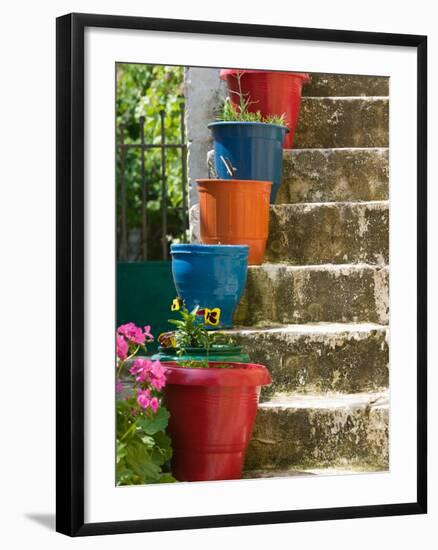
[
  {"x": 271, "y": 93},
  {"x": 212, "y": 413}
]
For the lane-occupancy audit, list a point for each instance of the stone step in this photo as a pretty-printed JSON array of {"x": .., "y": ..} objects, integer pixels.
[
  {"x": 319, "y": 233},
  {"x": 330, "y": 175},
  {"x": 307, "y": 470},
  {"x": 337, "y": 232},
  {"x": 342, "y": 122},
  {"x": 319, "y": 358},
  {"x": 325, "y": 430},
  {"x": 279, "y": 293},
  {"x": 338, "y": 85}
]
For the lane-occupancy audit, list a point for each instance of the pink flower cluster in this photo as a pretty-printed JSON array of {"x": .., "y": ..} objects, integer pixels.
[
  {"x": 131, "y": 334},
  {"x": 121, "y": 347},
  {"x": 145, "y": 400},
  {"x": 149, "y": 371}
]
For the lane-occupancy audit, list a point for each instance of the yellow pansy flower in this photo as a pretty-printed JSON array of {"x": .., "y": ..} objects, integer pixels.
[
  {"x": 212, "y": 316},
  {"x": 177, "y": 304}
]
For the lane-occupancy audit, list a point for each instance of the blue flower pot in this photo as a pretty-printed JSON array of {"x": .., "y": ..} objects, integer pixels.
[
  {"x": 210, "y": 276},
  {"x": 249, "y": 151}
]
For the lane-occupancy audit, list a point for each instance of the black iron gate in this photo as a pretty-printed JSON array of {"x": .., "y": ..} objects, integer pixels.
[{"x": 143, "y": 147}]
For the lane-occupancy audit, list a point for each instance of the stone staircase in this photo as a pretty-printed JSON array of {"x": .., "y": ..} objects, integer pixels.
[{"x": 316, "y": 313}]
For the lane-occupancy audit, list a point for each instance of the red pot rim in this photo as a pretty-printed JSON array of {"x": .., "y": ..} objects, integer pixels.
[
  {"x": 242, "y": 374},
  {"x": 232, "y": 72}
]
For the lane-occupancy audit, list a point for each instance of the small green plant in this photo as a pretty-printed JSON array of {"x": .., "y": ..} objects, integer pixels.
[
  {"x": 191, "y": 332},
  {"x": 241, "y": 113},
  {"x": 203, "y": 364},
  {"x": 194, "y": 363},
  {"x": 191, "y": 329},
  {"x": 230, "y": 114}
]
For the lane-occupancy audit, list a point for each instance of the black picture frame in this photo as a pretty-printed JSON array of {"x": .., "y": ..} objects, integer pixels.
[{"x": 70, "y": 273}]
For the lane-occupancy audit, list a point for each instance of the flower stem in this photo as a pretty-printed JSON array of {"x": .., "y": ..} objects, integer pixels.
[
  {"x": 122, "y": 363},
  {"x": 131, "y": 428}
]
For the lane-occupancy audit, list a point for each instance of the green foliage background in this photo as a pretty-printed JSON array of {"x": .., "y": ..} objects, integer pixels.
[{"x": 144, "y": 90}]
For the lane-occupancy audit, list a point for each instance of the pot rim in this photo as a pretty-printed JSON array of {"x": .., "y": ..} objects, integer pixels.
[
  {"x": 216, "y": 249},
  {"x": 242, "y": 374},
  {"x": 232, "y": 72},
  {"x": 231, "y": 181},
  {"x": 246, "y": 123},
  {"x": 213, "y": 347}
]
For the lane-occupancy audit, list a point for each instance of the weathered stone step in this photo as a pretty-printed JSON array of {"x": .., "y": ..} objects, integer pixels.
[
  {"x": 337, "y": 232},
  {"x": 342, "y": 122},
  {"x": 329, "y": 430},
  {"x": 278, "y": 293},
  {"x": 327, "y": 175},
  {"x": 307, "y": 470},
  {"x": 326, "y": 84},
  {"x": 319, "y": 233},
  {"x": 317, "y": 358},
  {"x": 330, "y": 175}
]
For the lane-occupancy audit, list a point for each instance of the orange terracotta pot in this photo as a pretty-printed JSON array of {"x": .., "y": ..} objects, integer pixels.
[{"x": 235, "y": 212}]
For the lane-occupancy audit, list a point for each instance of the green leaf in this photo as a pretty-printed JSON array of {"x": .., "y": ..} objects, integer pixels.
[
  {"x": 162, "y": 452},
  {"x": 148, "y": 440},
  {"x": 125, "y": 476},
  {"x": 140, "y": 461},
  {"x": 121, "y": 451},
  {"x": 166, "y": 478},
  {"x": 156, "y": 423}
]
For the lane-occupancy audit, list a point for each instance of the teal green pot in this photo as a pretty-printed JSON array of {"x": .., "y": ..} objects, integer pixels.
[{"x": 223, "y": 353}]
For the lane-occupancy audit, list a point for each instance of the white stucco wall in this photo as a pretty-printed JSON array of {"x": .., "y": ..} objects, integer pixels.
[{"x": 204, "y": 92}]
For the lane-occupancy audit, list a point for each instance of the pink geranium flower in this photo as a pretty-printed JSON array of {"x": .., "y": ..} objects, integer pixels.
[
  {"x": 144, "y": 398},
  {"x": 121, "y": 347},
  {"x": 119, "y": 387},
  {"x": 154, "y": 404},
  {"x": 157, "y": 375},
  {"x": 132, "y": 333},
  {"x": 140, "y": 369}
]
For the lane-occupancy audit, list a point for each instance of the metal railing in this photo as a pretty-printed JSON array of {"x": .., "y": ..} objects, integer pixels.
[{"x": 143, "y": 147}]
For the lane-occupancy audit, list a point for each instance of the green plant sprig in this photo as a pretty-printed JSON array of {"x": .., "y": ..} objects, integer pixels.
[
  {"x": 203, "y": 364},
  {"x": 229, "y": 113},
  {"x": 191, "y": 332}
]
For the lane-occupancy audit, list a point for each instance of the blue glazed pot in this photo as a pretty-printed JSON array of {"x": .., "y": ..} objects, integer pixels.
[
  {"x": 253, "y": 151},
  {"x": 210, "y": 276}
]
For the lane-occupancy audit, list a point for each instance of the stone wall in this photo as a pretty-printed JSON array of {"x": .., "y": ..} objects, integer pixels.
[{"x": 204, "y": 92}]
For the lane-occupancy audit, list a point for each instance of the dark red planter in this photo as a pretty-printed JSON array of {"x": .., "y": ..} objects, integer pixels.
[
  {"x": 271, "y": 93},
  {"x": 212, "y": 413}
]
